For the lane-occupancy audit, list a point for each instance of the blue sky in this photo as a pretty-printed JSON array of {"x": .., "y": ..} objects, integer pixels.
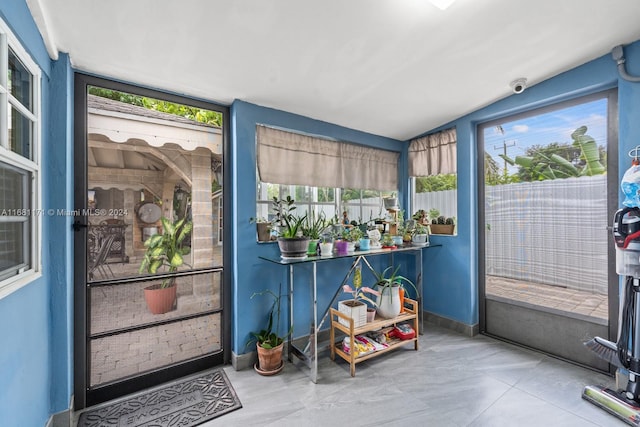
[{"x": 543, "y": 129}]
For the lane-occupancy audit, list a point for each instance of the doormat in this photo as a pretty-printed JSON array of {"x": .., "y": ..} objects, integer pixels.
[{"x": 185, "y": 403}]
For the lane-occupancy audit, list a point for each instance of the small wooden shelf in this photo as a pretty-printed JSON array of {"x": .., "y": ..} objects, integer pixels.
[{"x": 410, "y": 314}]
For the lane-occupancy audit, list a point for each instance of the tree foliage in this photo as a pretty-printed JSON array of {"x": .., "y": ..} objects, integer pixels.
[
  {"x": 427, "y": 184},
  {"x": 557, "y": 160},
  {"x": 193, "y": 113}
]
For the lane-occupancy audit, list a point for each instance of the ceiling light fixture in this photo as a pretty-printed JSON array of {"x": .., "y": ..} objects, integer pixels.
[{"x": 442, "y": 4}]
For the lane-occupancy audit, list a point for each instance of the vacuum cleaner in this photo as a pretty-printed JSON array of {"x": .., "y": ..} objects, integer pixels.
[{"x": 625, "y": 353}]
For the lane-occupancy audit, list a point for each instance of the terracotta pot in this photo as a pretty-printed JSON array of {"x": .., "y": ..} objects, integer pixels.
[
  {"x": 160, "y": 300},
  {"x": 269, "y": 359},
  {"x": 264, "y": 231},
  {"x": 371, "y": 314}
]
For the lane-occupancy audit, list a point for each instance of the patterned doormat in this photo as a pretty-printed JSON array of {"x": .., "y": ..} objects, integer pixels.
[{"x": 186, "y": 403}]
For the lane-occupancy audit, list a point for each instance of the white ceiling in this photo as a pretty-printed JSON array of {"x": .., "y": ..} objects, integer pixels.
[{"x": 395, "y": 68}]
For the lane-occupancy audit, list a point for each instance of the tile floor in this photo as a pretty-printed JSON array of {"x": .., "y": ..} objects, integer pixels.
[{"x": 452, "y": 380}]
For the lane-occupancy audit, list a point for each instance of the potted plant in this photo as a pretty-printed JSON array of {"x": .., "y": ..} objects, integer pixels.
[
  {"x": 391, "y": 290},
  {"x": 312, "y": 228},
  {"x": 269, "y": 343},
  {"x": 433, "y": 214},
  {"x": 421, "y": 216},
  {"x": 420, "y": 235},
  {"x": 391, "y": 202},
  {"x": 442, "y": 225},
  {"x": 352, "y": 236},
  {"x": 356, "y": 308},
  {"x": 165, "y": 250},
  {"x": 263, "y": 229},
  {"x": 291, "y": 241}
]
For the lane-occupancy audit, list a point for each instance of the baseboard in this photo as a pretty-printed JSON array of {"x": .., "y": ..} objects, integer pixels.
[
  {"x": 243, "y": 361},
  {"x": 60, "y": 419},
  {"x": 247, "y": 360},
  {"x": 454, "y": 325}
]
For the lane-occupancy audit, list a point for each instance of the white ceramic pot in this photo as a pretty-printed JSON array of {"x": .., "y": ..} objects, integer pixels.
[
  {"x": 326, "y": 249},
  {"x": 351, "y": 247},
  {"x": 389, "y": 302},
  {"x": 420, "y": 239}
]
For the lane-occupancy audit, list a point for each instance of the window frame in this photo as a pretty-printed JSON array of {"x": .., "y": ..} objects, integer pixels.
[
  {"x": 308, "y": 205},
  {"x": 30, "y": 166}
]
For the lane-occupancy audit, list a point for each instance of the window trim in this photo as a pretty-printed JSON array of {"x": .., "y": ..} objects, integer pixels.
[
  {"x": 337, "y": 204},
  {"x": 30, "y": 166}
]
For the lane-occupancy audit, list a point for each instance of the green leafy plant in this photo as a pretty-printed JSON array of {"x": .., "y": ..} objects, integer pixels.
[
  {"x": 433, "y": 214},
  {"x": 167, "y": 249},
  {"x": 551, "y": 165},
  {"x": 353, "y": 234},
  {"x": 289, "y": 224},
  {"x": 394, "y": 279},
  {"x": 268, "y": 337},
  {"x": 313, "y": 225},
  {"x": 419, "y": 229}
]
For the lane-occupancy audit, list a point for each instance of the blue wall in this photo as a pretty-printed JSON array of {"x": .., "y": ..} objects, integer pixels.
[
  {"x": 35, "y": 321},
  {"x": 250, "y": 273},
  {"x": 36, "y": 363},
  {"x": 452, "y": 289}
]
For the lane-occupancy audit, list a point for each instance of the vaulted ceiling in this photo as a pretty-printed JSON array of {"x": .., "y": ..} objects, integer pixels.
[{"x": 395, "y": 68}]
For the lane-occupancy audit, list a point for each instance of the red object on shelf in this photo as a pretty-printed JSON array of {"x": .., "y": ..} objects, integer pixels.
[{"x": 403, "y": 332}]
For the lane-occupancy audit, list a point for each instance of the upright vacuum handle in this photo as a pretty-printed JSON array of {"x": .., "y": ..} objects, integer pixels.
[{"x": 620, "y": 236}]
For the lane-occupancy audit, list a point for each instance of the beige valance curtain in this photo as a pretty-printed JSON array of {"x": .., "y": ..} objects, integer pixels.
[
  {"x": 433, "y": 154},
  {"x": 293, "y": 158}
]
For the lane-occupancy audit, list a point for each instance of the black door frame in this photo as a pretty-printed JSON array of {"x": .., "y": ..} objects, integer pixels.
[
  {"x": 83, "y": 396},
  {"x": 612, "y": 202}
]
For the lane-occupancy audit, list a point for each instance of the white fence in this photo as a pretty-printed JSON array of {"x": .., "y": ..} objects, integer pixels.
[
  {"x": 445, "y": 201},
  {"x": 552, "y": 232}
]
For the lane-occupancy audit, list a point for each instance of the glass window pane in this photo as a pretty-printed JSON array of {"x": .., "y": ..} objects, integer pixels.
[
  {"x": 20, "y": 81},
  {"x": 15, "y": 234},
  {"x": 326, "y": 194},
  {"x": 12, "y": 248},
  {"x": 13, "y": 188},
  {"x": 20, "y": 133}
]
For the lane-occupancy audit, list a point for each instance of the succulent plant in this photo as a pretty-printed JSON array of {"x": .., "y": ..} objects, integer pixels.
[
  {"x": 449, "y": 221},
  {"x": 441, "y": 220}
]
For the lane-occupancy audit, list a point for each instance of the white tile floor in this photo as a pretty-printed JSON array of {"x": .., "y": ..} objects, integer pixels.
[{"x": 452, "y": 380}]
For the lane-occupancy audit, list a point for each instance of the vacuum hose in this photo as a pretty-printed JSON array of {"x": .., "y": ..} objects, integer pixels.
[{"x": 625, "y": 340}]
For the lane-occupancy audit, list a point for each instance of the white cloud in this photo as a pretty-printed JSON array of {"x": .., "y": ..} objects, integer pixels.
[{"x": 521, "y": 128}]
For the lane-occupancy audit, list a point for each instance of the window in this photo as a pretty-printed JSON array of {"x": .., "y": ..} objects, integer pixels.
[
  {"x": 361, "y": 205},
  {"x": 434, "y": 181},
  {"x": 20, "y": 211},
  {"x": 329, "y": 166}
]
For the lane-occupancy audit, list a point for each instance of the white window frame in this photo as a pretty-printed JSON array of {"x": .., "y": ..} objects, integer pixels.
[
  {"x": 264, "y": 204},
  {"x": 30, "y": 166}
]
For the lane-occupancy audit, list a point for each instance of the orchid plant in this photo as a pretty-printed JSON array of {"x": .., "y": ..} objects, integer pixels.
[{"x": 358, "y": 291}]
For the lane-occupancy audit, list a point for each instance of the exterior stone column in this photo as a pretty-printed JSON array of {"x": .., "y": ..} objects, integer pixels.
[{"x": 202, "y": 214}]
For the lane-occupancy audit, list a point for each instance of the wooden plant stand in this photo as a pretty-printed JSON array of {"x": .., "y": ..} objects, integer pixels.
[{"x": 409, "y": 314}]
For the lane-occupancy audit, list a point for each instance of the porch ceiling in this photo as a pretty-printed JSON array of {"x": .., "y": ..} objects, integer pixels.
[{"x": 389, "y": 67}]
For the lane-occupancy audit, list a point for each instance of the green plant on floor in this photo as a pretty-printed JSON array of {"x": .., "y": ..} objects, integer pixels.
[
  {"x": 268, "y": 337},
  {"x": 167, "y": 249}
]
